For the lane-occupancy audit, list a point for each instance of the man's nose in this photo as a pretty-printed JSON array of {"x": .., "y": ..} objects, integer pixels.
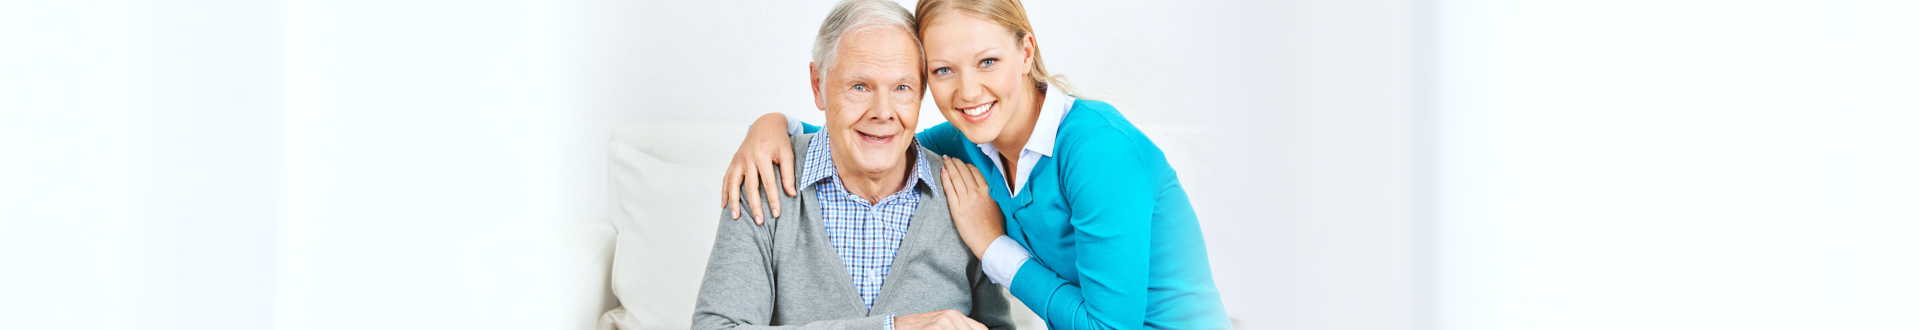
[{"x": 883, "y": 108}]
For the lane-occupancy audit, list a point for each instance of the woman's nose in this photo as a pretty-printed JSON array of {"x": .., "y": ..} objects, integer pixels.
[{"x": 968, "y": 91}]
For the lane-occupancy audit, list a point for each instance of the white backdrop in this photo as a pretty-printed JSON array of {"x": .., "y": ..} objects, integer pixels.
[
  {"x": 1387, "y": 164},
  {"x": 403, "y": 164},
  {"x": 139, "y": 154},
  {"x": 1677, "y": 165}
]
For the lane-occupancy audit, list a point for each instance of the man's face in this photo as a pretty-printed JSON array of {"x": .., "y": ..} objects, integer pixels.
[{"x": 872, "y": 98}]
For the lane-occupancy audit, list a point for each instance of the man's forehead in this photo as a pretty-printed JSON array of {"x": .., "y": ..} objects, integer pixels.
[{"x": 878, "y": 47}]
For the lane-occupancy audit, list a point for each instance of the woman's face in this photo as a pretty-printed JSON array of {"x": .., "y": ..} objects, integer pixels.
[{"x": 977, "y": 73}]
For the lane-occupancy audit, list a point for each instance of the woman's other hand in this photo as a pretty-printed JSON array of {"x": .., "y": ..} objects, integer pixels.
[
  {"x": 975, "y": 214},
  {"x": 766, "y": 145}
]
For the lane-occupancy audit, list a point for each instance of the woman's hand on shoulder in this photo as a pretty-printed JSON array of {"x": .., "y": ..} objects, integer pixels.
[
  {"x": 975, "y": 214},
  {"x": 766, "y": 146}
]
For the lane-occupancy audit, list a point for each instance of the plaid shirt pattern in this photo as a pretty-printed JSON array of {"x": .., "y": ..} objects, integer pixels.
[{"x": 866, "y": 235}]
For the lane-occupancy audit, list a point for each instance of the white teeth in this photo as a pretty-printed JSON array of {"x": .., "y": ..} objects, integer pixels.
[{"x": 976, "y": 111}]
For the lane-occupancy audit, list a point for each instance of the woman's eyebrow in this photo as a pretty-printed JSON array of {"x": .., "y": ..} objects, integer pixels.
[{"x": 983, "y": 52}]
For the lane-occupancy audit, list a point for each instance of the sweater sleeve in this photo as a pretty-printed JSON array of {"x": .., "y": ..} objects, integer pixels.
[
  {"x": 945, "y": 140},
  {"x": 797, "y": 127},
  {"x": 989, "y": 303},
  {"x": 1112, "y": 197}
]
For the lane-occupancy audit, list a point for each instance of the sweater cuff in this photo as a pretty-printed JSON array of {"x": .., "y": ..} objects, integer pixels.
[{"x": 1003, "y": 260}]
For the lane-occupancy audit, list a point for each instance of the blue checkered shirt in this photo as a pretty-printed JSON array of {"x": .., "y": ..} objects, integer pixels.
[{"x": 865, "y": 234}]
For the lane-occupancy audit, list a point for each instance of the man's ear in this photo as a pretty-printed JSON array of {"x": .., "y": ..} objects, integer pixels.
[{"x": 813, "y": 74}]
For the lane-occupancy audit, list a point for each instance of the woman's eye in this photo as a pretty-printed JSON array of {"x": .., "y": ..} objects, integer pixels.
[
  {"x": 942, "y": 71},
  {"x": 860, "y": 87},
  {"x": 988, "y": 62}
]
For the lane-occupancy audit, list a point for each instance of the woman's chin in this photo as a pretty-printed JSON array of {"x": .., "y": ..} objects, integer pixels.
[{"x": 976, "y": 134}]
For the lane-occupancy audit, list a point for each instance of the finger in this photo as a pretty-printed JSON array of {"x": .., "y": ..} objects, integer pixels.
[
  {"x": 959, "y": 321},
  {"x": 946, "y": 182},
  {"x": 975, "y": 325},
  {"x": 786, "y": 169},
  {"x": 966, "y": 175},
  {"x": 954, "y": 183},
  {"x": 946, "y": 321},
  {"x": 978, "y": 181},
  {"x": 772, "y": 189},
  {"x": 753, "y": 196},
  {"x": 732, "y": 191},
  {"x": 960, "y": 181}
]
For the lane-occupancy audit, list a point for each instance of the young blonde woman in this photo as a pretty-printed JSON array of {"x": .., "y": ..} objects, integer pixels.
[{"x": 1079, "y": 216}]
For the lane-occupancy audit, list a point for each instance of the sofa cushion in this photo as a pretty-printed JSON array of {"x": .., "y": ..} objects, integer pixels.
[{"x": 664, "y": 200}]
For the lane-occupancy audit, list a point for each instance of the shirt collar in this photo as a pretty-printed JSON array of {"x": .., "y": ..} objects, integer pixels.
[
  {"x": 819, "y": 162},
  {"x": 1053, "y": 110}
]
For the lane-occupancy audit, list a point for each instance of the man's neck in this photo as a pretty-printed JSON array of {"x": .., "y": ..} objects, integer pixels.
[{"x": 876, "y": 185}]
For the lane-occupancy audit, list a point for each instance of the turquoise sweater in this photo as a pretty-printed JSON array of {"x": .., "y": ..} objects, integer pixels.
[{"x": 1115, "y": 242}]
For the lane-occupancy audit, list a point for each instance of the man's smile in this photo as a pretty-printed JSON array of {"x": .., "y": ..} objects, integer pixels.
[{"x": 876, "y": 138}]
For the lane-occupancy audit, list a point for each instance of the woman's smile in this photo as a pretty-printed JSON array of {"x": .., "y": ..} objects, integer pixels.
[{"x": 978, "y": 113}]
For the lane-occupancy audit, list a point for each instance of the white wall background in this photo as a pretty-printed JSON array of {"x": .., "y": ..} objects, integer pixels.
[
  {"x": 1677, "y": 165},
  {"x": 404, "y": 164},
  {"x": 139, "y": 154}
]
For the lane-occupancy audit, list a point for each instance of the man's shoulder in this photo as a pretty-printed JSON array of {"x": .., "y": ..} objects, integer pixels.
[
  {"x": 800, "y": 142},
  {"x": 934, "y": 166}
]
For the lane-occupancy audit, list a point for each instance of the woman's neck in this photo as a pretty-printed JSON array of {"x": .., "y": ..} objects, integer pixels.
[{"x": 1014, "y": 137}]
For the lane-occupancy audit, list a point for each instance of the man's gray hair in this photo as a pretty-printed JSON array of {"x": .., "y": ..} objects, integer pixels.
[{"x": 852, "y": 15}]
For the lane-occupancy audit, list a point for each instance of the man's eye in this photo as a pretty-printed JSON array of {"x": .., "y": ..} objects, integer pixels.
[
  {"x": 902, "y": 88},
  {"x": 942, "y": 71},
  {"x": 860, "y": 87},
  {"x": 988, "y": 62}
]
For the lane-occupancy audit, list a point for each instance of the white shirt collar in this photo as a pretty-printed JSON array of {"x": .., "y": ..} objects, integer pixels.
[{"x": 1053, "y": 110}]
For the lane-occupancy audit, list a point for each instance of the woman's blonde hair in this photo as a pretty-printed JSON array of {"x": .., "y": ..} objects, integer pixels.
[{"x": 1010, "y": 15}]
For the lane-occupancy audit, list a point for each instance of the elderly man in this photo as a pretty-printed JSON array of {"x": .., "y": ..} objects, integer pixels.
[{"x": 869, "y": 243}]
